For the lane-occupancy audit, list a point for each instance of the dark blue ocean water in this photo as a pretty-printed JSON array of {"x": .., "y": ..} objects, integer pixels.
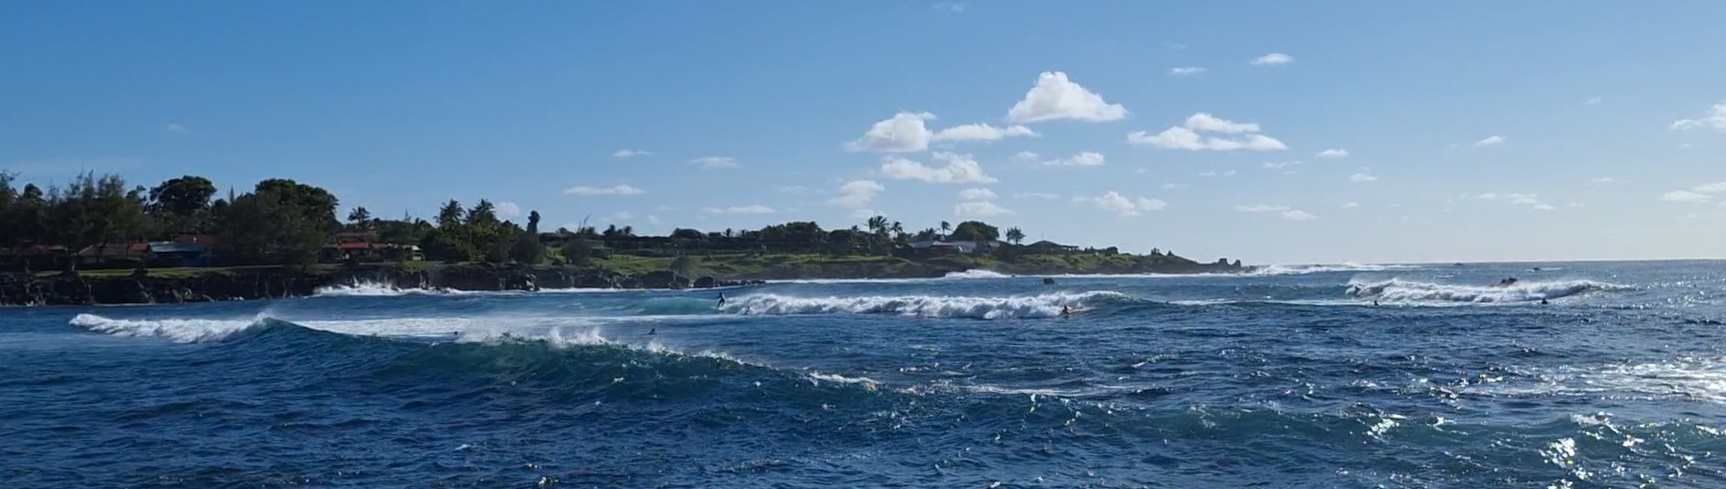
[{"x": 1287, "y": 379}]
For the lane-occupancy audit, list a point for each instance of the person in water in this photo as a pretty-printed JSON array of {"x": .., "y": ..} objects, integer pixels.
[
  {"x": 721, "y": 298},
  {"x": 1066, "y": 311}
]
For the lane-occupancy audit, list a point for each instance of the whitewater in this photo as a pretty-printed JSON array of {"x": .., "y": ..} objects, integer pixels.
[{"x": 1594, "y": 374}]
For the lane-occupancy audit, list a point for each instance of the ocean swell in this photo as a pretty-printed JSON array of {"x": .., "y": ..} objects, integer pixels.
[
  {"x": 1397, "y": 290},
  {"x": 1036, "y": 306}
]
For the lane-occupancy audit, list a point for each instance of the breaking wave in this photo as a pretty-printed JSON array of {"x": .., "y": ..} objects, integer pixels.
[
  {"x": 372, "y": 289},
  {"x": 1397, "y": 290},
  {"x": 1036, "y": 306},
  {"x": 1343, "y": 267},
  {"x": 975, "y": 274}
]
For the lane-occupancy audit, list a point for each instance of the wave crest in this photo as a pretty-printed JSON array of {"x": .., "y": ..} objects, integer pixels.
[
  {"x": 1397, "y": 290},
  {"x": 1274, "y": 270},
  {"x": 1037, "y": 306}
]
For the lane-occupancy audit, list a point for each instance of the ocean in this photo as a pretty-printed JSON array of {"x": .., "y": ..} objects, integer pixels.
[{"x": 1287, "y": 377}]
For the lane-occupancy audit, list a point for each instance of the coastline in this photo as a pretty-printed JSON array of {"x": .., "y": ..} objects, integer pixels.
[{"x": 173, "y": 286}]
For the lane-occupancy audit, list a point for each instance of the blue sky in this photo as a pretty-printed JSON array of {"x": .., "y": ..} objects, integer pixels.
[{"x": 1472, "y": 130}]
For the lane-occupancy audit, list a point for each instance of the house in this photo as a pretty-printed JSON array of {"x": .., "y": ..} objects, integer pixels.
[
  {"x": 176, "y": 254},
  {"x": 933, "y": 247},
  {"x": 129, "y": 254},
  {"x": 1049, "y": 247},
  {"x": 353, "y": 249}
]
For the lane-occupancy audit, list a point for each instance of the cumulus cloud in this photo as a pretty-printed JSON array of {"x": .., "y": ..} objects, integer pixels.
[
  {"x": 1273, "y": 59},
  {"x": 630, "y": 153},
  {"x": 1714, "y": 119},
  {"x": 982, "y": 132},
  {"x": 1055, "y": 97},
  {"x": 960, "y": 168},
  {"x": 1088, "y": 158},
  {"x": 857, "y": 193},
  {"x": 506, "y": 209},
  {"x": 1036, "y": 195},
  {"x": 979, "y": 208},
  {"x": 1490, "y": 141},
  {"x": 747, "y": 209},
  {"x": 613, "y": 190},
  {"x": 904, "y": 132},
  {"x": 714, "y": 162},
  {"x": 976, "y": 194},
  {"x": 1281, "y": 210},
  {"x": 1233, "y": 136},
  {"x": 1187, "y": 71},
  {"x": 1120, "y": 204},
  {"x": 1361, "y": 177},
  {"x": 1332, "y": 154},
  {"x": 1699, "y": 194}
]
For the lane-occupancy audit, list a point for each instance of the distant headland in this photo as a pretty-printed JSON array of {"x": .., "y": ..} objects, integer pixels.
[{"x": 100, "y": 240}]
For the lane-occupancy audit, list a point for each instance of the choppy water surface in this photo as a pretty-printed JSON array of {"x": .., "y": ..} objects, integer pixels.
[{"x": 1287, "y": 378}]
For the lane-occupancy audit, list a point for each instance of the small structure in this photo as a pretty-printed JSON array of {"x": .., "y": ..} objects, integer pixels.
[
  {"x": 931, "y": 247},
  {"x": 176, "y": 254}
]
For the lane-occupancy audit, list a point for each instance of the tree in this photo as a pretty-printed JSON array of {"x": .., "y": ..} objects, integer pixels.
[
  {"x": 946, "y": 229},
  {"x": 577, "y": 252},
  {"x": 975, "y": 231},
  {"x": 1015, "y": 235},
  {"x": 451, "y": 214},
  {"x": 183, "y": 204},
  {"x": 98, "y": 212},
  {"x": 360, "y": 218},
  {"x": 277, "y": 223},
  {"x": 527, "y": 248}
]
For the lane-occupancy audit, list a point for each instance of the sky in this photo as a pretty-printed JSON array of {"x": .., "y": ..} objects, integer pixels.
[{"x": 1305, "y": 132}]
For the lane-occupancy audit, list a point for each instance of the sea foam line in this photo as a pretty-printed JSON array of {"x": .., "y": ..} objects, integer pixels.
[{"x": 1037, "y": 306}]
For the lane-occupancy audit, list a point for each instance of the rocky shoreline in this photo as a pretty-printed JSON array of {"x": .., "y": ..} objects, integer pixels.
[{"x": 276, "y": 283}]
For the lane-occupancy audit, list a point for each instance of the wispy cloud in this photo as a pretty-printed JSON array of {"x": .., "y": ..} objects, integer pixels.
[
  {"x": 175, "y": 129},
  {"x": 1036, "y": 195},
  {"x": 1234, "y": 136},
  {"x": 1088, "y": 158},
  {"x": 613, "y": 190},
  {"x": 1594, "y": 100},
  {"x": 1714, "y": 119},
  {"x": 979, "y": 208},
  {"x": 1700, "y": 194},
  {"x": 1281, "y": 210},
  {"x": 747, "y": 209},
  {"x": 1332, "y": 154},
  {"x": 715, "y": 162},
  {"x": 857, "y": 193},
  {"x": 630, "y": 153},
  {"x": 954, "y": 7},
  {"x": 1278, "y": 165},
  {"x": 1187, "y": 71},
  {"x": 794, "y": 189},
  {"x": 977, "y": 194},
  {"x": 1273, "y": 59},
  {"x": 982, "y": 132},
  {"x": 1530, "y": 200},
  {"x": 1490, "y": 141},
  {"x": 1122, "y": 205},
  {"x": 1056, "y": 97},
  {"x": 1361, "y": 177}
]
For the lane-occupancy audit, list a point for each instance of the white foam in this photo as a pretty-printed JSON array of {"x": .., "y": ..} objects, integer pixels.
[
  {"x": 181, "y": 330},
  {"x": 1273, "y": 270},
  {"x": 1684, "y": 378},
  {"x": 975, "y": 274},
  {"x": 1397, "y": 290},
  {"x": 1037, "y": 306},
  {"x": 373, "y": 289}
]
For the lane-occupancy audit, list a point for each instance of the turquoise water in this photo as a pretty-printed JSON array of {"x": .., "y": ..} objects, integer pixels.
[{"x": 1289, "y": 378}]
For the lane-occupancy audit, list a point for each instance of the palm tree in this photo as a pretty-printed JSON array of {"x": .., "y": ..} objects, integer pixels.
[
  {"x": 898, "y": 230},
  {"x": 1015, "y": 235},
  {"x": 946, "y": 228}
]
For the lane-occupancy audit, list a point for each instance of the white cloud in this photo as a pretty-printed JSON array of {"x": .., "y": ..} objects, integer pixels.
[
  {"x": 713, "y": 162},
  {"x": 1594, "y": 100},
  {"x": 977, "y": 194},
  {"x": 1036, "y": 195},
  {"x": 1171, "y": 186},
  {"x": 1711, "y": 188},
  {"x": 1530, "y": 200},
  {"x": 1703, "y": 193},
  {"x": 1126, "y": 207},
  {"x": 630, "y": 153},
  {"x": 1025, "y": 156},
  {"x": 1229, "y": 173},
  {"x": 747, "y": 209},
  {"x": 1350, "y": 205},
  {"x": 1281, "y": 210},
  {"x": 1273, "y": 59},
  {"x": 1490, "y": 141},
  {"x": 960, "y": 169},
  {"x": 857, "y": 193},
  {"x": 506, "y": 210},
  {"x": 979, "y": 208},
  {"x": 1715, "y": 119},
  {"x": 794, "y": 189},
  {"x": 1055, "y": 97},
  {"x": 1187, "y": 137},
  {"x": 1542, "y": 207},
  {"x": 1604, "y": 181},
  {"x": 175, "y": 129},
  {"x": 1088, "y": 158},
  {"x": 1361, "y": 177},
  {"x": 1278, "y": 165},
  {"x": 904, "y": 132},
  {"x": 953, "y": 7},
  {"x": 1332, "y": 154},
  {"x": 1186, "y": 71},
  {"x": 982, "y": 132},
  {"x": 651, "y": 219},
  {"x": 613, "y": 190}
]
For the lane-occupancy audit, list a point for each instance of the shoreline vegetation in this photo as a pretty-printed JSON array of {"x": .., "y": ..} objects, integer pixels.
[{"x": 98, "y": 240}]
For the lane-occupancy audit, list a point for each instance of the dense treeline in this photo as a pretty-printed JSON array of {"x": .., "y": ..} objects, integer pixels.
[{"x": 281, "y": 221}]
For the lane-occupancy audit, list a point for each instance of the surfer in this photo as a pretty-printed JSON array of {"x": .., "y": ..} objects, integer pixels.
[
  {"x": 652, "y": 331},
  {"x": 1543, "y": 301},
  {"x": 1066, "y": 311},
  {"x": 721, "y": 298}
]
